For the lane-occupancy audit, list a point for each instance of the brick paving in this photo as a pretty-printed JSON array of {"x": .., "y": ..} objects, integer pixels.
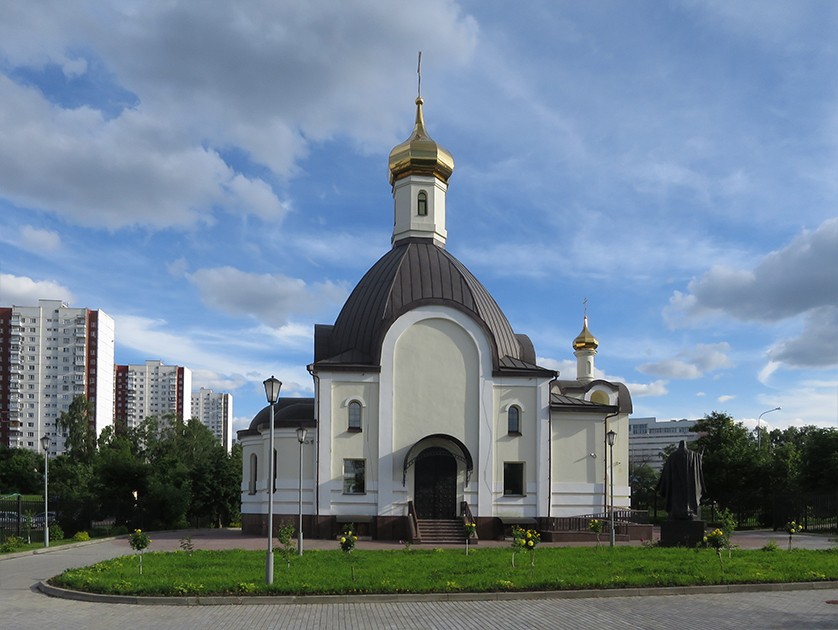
[{"x": 21, "y": 606}]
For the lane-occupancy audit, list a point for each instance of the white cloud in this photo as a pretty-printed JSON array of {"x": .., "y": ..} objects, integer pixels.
[
  {"x": 38, "y": 240},
  {"x": 788, "y": 282},
  {"x": 655, "y": 388},
  {"x": 691, "y": 363},
  {"x": 725, "y": 398},
  {"x": 23, "y": 291},
  {"x": 295, "y": 72},
  {"x": 271, "y": 298},
  {"x": 798, "y": 280}
]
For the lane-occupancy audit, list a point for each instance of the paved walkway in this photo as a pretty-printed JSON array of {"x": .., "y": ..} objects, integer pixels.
[{"x": 23, "y": 607}]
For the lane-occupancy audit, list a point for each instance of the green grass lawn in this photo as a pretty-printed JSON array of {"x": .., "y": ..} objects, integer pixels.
[{"x": 448, "y": 570}]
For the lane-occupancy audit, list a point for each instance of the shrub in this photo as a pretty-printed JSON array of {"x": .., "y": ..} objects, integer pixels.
[
  {"x": 285, "y": 536},
  {"x": 11, "y": 543},
  {"x": 81, "y": 536},
  {"x": 55, "y": 532}
]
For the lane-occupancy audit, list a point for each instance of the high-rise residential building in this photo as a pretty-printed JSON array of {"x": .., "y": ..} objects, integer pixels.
[
  {"x": 216, "y": 412},
  {"x": 49, "y": 354},
  {"x": 151, "y": 389}
]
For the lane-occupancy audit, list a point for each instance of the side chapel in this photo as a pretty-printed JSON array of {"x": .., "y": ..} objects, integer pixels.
[{"x": 428, "y": 406}]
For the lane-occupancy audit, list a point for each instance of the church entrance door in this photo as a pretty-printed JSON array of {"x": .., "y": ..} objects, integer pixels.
[{"x": 435, "y": 484}]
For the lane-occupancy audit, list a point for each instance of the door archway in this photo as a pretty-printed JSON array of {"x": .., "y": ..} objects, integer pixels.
[{"x": 435, "y": 484}]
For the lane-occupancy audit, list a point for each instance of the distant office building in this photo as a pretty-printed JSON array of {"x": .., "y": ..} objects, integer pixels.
[
  {"x": 216, "y": 412},
  {"x": 648, "y": 438},
  {"x": 151, "y": 389},
  {"x": 49, "y": 354}
]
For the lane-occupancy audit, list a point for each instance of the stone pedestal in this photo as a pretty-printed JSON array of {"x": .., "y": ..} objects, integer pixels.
[{"x": 682, "y": 533}]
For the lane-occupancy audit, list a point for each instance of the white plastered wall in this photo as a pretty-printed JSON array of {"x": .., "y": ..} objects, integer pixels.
[
  {"x": 581, "y": 459},
  {"x": 436, "y": 367}
]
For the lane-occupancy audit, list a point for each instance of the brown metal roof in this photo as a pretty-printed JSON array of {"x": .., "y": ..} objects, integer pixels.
[
  {"x": 288, "y": 412},
  {"x": 415, "y": 272}
]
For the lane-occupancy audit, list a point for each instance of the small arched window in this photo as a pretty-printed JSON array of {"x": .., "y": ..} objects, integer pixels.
[
  {"x": 354, "y": 412},
  {"x": 422, "y": 204},
  {"x": 251, "y": 484},
  {"x": 513, "y": 419}
]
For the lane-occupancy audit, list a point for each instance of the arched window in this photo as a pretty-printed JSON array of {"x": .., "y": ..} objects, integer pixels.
[
  {"x": 422, "y": 204},
  {"x": 251, "y": 484},
  {"x": 513, "y": 419},
  {"x": 600, "y": 398},
  {"x": 354, "y": 412}
]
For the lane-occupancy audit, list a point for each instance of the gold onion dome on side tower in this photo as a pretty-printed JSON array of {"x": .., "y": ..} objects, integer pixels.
[
  {"x": 420, "y": 154},
  {"x": 585, "y": 340}
]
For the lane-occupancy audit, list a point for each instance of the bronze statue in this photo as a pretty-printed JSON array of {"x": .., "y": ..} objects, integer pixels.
[{"x": 682, "y": 483}]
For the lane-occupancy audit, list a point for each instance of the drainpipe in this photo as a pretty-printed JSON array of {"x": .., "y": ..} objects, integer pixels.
[
  {"x": 605, "y": 446},
  {"x": 316, "y": 379},
  {"x": 550, "y": 445}
]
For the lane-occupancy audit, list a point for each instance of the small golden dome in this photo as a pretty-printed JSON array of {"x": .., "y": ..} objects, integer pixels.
[
  {"x": 585, "y": 340},
  {"x": 419, "y": 154}
]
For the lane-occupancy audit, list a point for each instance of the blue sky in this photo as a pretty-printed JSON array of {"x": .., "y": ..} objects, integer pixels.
[{"x": 214, "y": 177}]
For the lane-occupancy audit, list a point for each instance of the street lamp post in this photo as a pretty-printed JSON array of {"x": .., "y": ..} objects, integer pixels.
[
  {"x": 611, "y": 436},
  {"x": 759, "y": 419},
  {"x": 301, "y": 438},
  {"x": 272, "y": 387},
  {"x": 45, "y": 444}
]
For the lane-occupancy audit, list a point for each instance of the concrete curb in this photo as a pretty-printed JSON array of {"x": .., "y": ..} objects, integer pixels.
[
  {"x": 75, "y": 545},
  {"x": 276, "y": 600}
]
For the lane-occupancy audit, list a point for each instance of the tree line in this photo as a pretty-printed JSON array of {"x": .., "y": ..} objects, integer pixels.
[
  {"x": 773, "y": 476},
  {"x": 166, "y": 473}
]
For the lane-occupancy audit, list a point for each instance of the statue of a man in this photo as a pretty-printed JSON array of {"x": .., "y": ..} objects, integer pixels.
[{"x": 682, "y": 483}]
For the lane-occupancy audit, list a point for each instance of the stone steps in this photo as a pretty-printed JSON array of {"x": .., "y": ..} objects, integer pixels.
[{"x": 440, "y": 531}]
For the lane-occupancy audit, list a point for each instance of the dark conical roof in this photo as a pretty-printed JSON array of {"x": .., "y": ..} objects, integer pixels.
[{"x": 415, "y": 272}]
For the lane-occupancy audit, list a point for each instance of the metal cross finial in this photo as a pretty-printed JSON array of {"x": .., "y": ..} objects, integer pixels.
[
  {"x": 419, "y": 73},
  {"x": 585, "y": 303}
]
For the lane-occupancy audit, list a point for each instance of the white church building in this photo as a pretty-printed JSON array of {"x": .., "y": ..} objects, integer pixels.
[{"x": 428, "y": 406}]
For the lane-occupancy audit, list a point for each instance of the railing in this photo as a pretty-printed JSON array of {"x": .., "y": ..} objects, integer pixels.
[
  {"x": 413, "y": 524},
  {"x": 465, "y": 514},
  {"x": 582, "y": 522}
]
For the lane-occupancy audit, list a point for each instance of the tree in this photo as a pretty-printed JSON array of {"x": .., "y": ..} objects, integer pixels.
[
  {"x": 79, "y": 424},
  {"x": 732, "y": 468},
  {"x": 643, "y": 480},
  {"x": 21, "y": 471},
  {"x": 119, "y": 472}
]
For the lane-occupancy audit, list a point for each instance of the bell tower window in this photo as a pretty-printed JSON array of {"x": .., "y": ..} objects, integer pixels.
[{"x": 422, "y": 204}]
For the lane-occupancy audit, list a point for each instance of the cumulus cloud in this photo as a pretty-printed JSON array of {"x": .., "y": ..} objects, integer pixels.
[
  {"x": 788, "y": 282},
  {"x": 655, "y": 388},
  {"x": 799, "y": 280},
  {"x": 38, "y": 240},
  {"x": 817, "y": 345},
  {"x": 23, "y": 291},
  {"x": 299, "y": 72},
  {"x": 271, "y": 298},
  {"x": 724, "y": 398},
  {"x": 692, "y": 363}
]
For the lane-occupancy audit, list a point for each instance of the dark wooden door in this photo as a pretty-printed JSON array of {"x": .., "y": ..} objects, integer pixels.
[{"x": 435, "y": 484}]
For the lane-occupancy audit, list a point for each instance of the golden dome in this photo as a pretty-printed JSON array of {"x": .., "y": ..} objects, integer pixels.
[
  {"x": 419, "y": 154},
  {"x": 585, "y": 340}
]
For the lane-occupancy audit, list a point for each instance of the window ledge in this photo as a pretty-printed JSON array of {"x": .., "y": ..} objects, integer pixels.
[{"x": 353, "y": 430}]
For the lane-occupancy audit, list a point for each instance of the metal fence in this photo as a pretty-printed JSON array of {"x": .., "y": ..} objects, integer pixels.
[
  {"x": 19, "y": 516},
  {"x": 816, "y": 512}
]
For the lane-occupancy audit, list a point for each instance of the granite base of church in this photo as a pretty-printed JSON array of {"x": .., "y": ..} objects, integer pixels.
[{"x": 682, "y": 533}]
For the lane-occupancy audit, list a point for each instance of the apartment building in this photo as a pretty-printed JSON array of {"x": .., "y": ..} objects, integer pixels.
[
  {"x": 49, "y": 354},
  {"x": 215, "y": 411},
  {"x": 151, "y": 389}
]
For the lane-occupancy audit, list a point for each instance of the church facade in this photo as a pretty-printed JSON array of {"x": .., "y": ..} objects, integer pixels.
[{"x": 427, "y": 405}]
